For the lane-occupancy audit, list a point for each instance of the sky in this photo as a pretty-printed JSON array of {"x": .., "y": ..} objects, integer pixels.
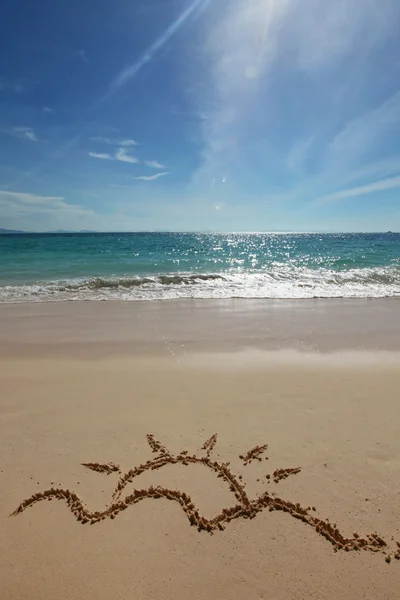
[{"x": 182, "y": 115}]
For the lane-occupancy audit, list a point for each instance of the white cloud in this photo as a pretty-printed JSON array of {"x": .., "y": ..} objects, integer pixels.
[
  {"x": 46, "y": 109},
  {"x": 126, "y": 143},
  {"x": 154, "y": 164},
  {"x": 122, "y": 156},
  {"x": 15, "y": 204},
  {"x": 102, "y": 156},
  {"x": 24, "y": 133},
  {"x": 377, "y": 186},
  {"x": 30, "y": 134},
  {"x": 114, "y": 142},
  {"x": 151, "y": 177}
]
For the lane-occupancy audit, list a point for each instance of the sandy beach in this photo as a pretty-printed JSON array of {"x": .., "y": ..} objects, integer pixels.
[{"x": 271, "y": 470}]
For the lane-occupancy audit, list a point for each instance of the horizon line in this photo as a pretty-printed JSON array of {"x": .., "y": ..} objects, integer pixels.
[{"x": 5, "y": 231}]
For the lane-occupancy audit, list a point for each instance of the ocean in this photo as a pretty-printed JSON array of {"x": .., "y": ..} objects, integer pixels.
[{"x": 162, "y": 266}]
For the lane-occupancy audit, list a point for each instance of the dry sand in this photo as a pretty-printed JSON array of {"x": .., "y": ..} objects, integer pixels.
[{"x": 333, "y": 415}]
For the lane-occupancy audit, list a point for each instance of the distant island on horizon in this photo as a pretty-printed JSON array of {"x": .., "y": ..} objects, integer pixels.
[
  {"x": 13, "y": 231},
  {"x": 4, "y": 231}
]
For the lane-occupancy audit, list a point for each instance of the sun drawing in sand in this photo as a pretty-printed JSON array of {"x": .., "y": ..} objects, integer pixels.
[{"x": 244, "y": 507}]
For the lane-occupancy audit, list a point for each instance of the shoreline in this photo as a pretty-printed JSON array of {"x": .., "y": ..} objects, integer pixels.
[
  {"x": 388, "y": 298},
  {"x": 22, "y": 302},
  {"x": 184, "y": 327}
]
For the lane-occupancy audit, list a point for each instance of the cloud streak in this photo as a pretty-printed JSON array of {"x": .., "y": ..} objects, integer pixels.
[
  {"x": 151, "y": 177},
  {"x": 12, "y": 86},
  {"x": 126, "y": 143},
  {"x": 101, "y": 155},
  {"x": 16, "y": 204},
  {"x": 362, "y": 134},
  {"x": 298, "y": 154},
  {"x": 122, "y": 156},
  {"x": 370, "y": 188},
  {"x": 23, "y": 133},
  {"x": 114, "y": 142},
  {"x": 30, "y": 199},
  {"x": 82, "y": 55},
  {"x": 132, "y": 70},
  {"x": 154, "y": 164}
]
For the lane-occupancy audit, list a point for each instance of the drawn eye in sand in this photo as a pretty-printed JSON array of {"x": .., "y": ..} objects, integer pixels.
[
  {"x": 242, "y": 508},
  {"x": 108, "y": 468}
]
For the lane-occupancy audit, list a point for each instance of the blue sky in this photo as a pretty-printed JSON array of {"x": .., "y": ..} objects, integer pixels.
[{"x": 200, "y": 115}]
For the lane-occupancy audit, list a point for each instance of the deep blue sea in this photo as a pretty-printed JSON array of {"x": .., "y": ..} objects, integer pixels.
[{"x": 148, "y": 266}]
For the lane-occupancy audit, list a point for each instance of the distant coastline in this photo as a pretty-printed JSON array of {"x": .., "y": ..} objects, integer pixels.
[
  {"x": 18, "y": 231},
  {"x": 4, "y": 231}
]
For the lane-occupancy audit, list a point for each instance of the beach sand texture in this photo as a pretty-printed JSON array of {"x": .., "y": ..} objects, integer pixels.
[{"x": 197, "y": 473}]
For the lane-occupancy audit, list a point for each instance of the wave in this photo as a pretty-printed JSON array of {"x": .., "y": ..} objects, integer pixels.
[
  {"x": 282, "y": 281},
  {"x": 126, "y": 283}
]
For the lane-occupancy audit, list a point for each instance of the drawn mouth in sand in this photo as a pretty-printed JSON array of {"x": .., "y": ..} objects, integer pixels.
[{"x": 244, "y": 508}]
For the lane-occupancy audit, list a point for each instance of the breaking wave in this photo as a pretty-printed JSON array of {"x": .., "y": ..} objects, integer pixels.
[{"x": 281, "y": 282}]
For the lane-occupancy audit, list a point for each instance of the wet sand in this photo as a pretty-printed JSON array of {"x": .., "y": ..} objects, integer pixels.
[
  {"x": 95, "y": 329},
  {"x": 296, "y": 496}
]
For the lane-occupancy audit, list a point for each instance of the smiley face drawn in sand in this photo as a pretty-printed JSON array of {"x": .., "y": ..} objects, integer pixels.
[{"x": 243, "y": 508}]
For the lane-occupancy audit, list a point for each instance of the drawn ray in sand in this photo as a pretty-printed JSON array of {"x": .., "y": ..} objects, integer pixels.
[
  {"x": 244, "y": 507},
  {"x": 254, "y": 454}
]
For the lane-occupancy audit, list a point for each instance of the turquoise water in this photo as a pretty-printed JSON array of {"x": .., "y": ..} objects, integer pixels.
[{"x": 140, "y": 266}]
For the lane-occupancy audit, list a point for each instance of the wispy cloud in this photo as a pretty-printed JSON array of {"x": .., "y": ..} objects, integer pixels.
[
  {"x": 192, "y": 116},
  {"x": 382, "y": 169},
  {"x": 101, "y": 155},
  {"x": 250, "y": 45},
  {"x": 28, "y": 198},
  {"x": 129, "y": 72},
  {"x": 101, "y": 139},
  {"x": 16, "y": 204},
  {"x": 126, "y": 143},
  {"x": 240, "y": 47},
  {"x": 362, "y": 134},
  {"x": 114, "y": 142},
  {"x": 82, "y": 55},
  {"x": 370, "y": 188},
  {"x": 46, "y": 109},
  {"x": 16, "y": 86},
  {"x": 122, "y": 156},
  {"x": 323, "y": 35},
  {"x": 298, "y": 154},
  {"x": 151, "y": 177},
  {"x": 25, "y": 133},
  {"x": 154, "y": 164},
  {"x": 11, "y": 86},
  {"x": 28, "y": 133}
]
